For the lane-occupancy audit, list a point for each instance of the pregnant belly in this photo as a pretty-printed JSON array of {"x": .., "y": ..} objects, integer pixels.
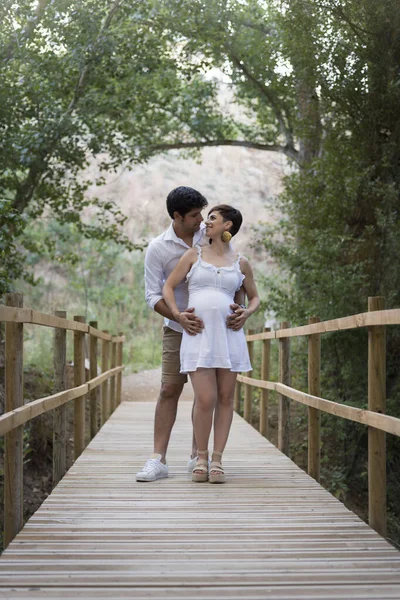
[{"x": 209, "y": 302}]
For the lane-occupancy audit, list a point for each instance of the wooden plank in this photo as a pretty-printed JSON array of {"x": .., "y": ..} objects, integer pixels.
[
  {"x": 377, "y": 318},
  {"x": 314, "y": 415},
  {"x": 209, "y": 592},
  {"x": 248, "y": 395},
  {"x": 39, "y": 318},
  {"x": 25, "y": 413},
  {"x": 94, "y": 383},
  {"x": 377, "y": 513},
  {"x": 265, "y": 335},
  {"x": 359, "y": 415},
  {"x": 28, "y": 315},
  {"x": 284, "y": 403},
  {"x": 79, "y": 380},
  {"x": 271, "y": 531},
  {"x": 13, "y": 442},
  {"x": 113, "y": 383},
  {"x": 102, "y": 335},
  {"x": 119, "y": 375},
  {"x": 14, "y": 314},
  {"x": 60, "y": 413},
  {"x": 105, "y": 397},
  {"x": 265, "y": 360},
  {"x": 94, "y": 393}
]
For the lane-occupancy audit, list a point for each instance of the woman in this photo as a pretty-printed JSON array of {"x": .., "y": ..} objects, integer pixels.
[{"x": 213, "y": 357}]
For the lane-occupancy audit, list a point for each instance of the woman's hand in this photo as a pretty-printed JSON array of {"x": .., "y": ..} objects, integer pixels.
[{"x": 189, "y": 321}]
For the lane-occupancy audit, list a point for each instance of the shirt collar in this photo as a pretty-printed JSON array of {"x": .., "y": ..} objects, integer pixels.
[{"x": 171, "y": 235}]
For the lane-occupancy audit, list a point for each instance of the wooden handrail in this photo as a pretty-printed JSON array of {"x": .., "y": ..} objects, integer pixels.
[
  {"x": 368, "y": 319},
  {"x": 351, "y": 413},
  {"x": 9, "y": 314},
  {"x": 378, "y": 423},
  {"x": 18, "y": 414},
  {"x": 23, "y": 414}
]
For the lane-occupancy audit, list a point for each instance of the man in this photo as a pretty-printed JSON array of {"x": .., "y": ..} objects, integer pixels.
[{"x": 184, "y": 205}]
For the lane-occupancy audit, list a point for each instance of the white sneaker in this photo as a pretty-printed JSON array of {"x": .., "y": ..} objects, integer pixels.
[
  {"x": 191, "y": 464},
  {"x": 153, "y": 469}
]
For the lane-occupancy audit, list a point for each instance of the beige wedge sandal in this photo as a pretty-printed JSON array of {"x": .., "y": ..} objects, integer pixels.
[
  {"x": 217, "y": 473},
  {"x": 200, "y": 472}
]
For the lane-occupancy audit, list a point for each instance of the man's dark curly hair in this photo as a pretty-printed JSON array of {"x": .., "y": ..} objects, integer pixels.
[
  {"x": 229, "y": 214},
  {"x": 183, "y": 199}
]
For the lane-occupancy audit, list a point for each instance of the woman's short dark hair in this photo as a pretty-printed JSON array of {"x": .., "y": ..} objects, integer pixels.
[
  {"x": 229, "y": 214},
  {"x": 183, "y": 199}
]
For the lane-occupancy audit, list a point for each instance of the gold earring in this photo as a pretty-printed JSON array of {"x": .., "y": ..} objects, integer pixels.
[{"x": 226, "y": 237}]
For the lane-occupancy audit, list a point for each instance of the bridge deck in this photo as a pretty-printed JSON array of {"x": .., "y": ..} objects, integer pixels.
[{"x": 269, "y": 532}]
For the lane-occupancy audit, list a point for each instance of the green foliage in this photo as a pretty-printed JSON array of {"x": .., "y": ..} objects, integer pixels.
[
  {"x": 12, "y": 225},
  {"x": 338, "y": 238},
  {"x": 96, "y": 280},
  {"x": 315, "y": 79},
  {"x": 94, "y": 81}
]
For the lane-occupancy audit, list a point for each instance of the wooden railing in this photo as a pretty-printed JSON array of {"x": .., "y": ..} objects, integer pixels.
[
  {"x": 378, "y": 423},
  {"x": 16, "y": 414}
]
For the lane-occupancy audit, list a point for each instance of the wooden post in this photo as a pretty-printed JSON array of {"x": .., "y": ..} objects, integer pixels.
[
  {"x": 284, "y": 403},
  {"x": 265, "y": 359},
  {"x": 13, "y": 441},
  {"x": 105, "y": 400},
  {"x": 236, "y": 400},
  {"x": 119, "y": 364},
  {"x": 248, "y": 392},
  {"x": 94, "y": 421},
  {"x": 377, "y": 439},
  {"x": 113, "y": 399},
  {"x": 314, "y": 415},
  {"x": 79, "y": 379},
  {"x": 60, "y": 413}
]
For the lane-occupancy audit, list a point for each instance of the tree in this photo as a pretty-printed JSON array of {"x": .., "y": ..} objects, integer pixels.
[{"x": 94, "y": 80}]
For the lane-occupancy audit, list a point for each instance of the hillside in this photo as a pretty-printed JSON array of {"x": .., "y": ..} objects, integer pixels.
[{"x": 242, "y": 177}]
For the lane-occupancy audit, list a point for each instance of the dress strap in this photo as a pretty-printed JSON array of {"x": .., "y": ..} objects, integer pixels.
[{"x": 188, "y": 276}]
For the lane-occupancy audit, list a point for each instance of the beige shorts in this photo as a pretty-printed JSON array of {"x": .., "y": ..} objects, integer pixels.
[{"x": 171, "y": 362}]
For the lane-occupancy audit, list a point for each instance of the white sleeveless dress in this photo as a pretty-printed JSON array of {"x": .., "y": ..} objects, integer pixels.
[{"x": 211, "y": 291}]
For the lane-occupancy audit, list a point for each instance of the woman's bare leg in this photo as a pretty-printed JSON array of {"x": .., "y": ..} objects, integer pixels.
[
  {"x": 204, "y": 383},
  {"x": 224, "y": 409},
  {"x": 194, "y": 443}
]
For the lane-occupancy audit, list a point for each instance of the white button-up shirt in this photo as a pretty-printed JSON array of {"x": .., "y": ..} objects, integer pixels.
[{"x": 162, "y": 257}]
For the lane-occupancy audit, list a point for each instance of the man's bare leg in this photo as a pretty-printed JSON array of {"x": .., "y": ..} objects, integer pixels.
[{"x": 166, "y": 409}]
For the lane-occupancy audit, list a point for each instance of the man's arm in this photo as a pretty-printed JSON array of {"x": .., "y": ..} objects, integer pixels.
[
  {"x": 240, "y": 313},
  {"x": 240, "y": 296},
  {"x": 239, "y": 303},
  {"x": 154, "y": 279},
  {"x": 237, "y": 320}
]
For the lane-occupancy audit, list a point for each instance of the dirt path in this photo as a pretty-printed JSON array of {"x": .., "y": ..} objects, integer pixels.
[{"x": 145, "y": 386}]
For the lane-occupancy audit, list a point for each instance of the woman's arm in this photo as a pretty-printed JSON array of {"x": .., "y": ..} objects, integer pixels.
[
  {"x": 241, "y": 315},
  {"x": 188, "y": 320}
]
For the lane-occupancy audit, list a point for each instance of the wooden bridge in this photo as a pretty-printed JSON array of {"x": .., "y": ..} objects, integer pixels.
[{"x": 270, "y": 532}]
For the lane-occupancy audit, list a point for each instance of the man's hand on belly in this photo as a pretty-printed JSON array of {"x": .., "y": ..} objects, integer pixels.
[
  {"x": 190, "y": 322},
  {"x": 238, "y": 317}
]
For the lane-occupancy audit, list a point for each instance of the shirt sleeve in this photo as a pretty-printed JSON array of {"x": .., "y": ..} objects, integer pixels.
[{"x": 153, "y": 276}]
